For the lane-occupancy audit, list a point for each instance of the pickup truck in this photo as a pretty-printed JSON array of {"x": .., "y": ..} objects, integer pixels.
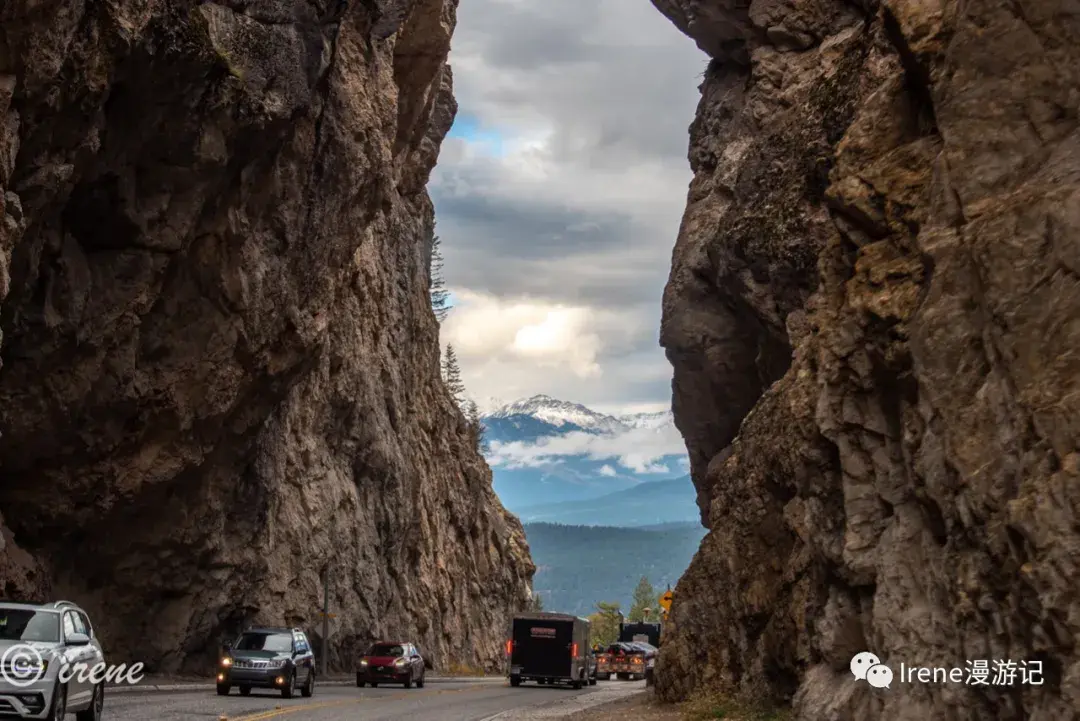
[{"x": 623, "y": 660}]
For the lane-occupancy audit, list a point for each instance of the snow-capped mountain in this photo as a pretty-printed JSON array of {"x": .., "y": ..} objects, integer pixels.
[
  {"x": 544, "y": 450},
  {"x": 564, "y": 415},
  {"x": 653, "y": 421},
  {"x": 560, "y": 414}
]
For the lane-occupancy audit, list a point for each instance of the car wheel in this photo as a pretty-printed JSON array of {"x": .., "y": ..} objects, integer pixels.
[
  {"x": 420, "y": 683},
  {"x": 374, "y": 684},
  {"x": 576, "y": 685},
  {"x": 97, "y": 705},
  {"x": 515, "y": 680},
  {"x": 359, "y": 680},
  {"x": 408, "y": 682},
  {"x": 592, "y": 681},
  {"x": 58, "y": 711},
  {"x": 245, "y": 690},
  {"x": 309, "y": 688},
  {"x": 223, "y": 689},
  {"x": 290, "y": 689}
]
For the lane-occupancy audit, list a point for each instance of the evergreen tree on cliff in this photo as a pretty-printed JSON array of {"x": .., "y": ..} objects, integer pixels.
[
  {"x": 476, "y": 426},
  {"x": 451, "y": 373},
  {"x": 440, "y": 297},
  {"x": 644, "y": 597}
]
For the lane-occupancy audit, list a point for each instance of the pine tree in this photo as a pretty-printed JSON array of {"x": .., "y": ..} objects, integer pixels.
[
  {"x": 451, "y": 373},
  {"x": 605, "y": 623},
  {"x": 476, "y": 426},
  {"x": 644, "y": 598},
  {"x": 536, "y": 604},
  {"x": 440, "y": 297}
]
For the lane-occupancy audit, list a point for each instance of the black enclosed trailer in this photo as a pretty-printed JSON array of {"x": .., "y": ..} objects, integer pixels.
[{"x": 549, "y": 648}]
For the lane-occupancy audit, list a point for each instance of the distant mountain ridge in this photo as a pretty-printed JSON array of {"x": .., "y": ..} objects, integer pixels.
[
  {"x": 648, "y": 505},
  {"x": 577, "y": 567},
  {"x": 545, "y": 451}
]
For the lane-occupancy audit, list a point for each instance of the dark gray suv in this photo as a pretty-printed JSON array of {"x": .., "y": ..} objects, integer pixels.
[{"x": 268, "y": 657}]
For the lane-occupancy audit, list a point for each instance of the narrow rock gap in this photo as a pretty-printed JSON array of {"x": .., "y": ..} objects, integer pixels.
[{"x": 916, "y": 76}]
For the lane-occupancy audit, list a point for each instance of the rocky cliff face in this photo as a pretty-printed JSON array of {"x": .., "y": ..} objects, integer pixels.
[
  {"x": 220, "y": 366},
  {"x": 874, "y": 318}
]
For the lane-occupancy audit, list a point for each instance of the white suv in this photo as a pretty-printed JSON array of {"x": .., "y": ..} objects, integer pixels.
[{"x": 36, "y": 641}]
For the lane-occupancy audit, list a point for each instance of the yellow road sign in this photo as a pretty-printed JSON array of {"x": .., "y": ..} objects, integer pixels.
[{"x": 665, "y": 601}]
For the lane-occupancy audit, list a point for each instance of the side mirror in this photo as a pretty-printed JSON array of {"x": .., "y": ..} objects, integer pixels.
[{"x": 78, "y": 639}]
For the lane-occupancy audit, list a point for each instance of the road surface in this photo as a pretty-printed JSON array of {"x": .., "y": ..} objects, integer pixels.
[{"x": 489, "y": 700}]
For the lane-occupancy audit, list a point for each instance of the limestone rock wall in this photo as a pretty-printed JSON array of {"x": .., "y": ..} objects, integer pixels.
[
  {"x": 220, "y": 366},
  {"x": 874, "y": 318}
]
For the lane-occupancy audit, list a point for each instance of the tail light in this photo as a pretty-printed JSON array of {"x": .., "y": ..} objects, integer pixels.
[
  {"x": 509, "y": 646},
  {"x": 573, "y": 650}
]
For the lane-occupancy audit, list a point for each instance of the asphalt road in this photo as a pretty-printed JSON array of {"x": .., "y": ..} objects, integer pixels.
[{"x": 473, "y": 701}]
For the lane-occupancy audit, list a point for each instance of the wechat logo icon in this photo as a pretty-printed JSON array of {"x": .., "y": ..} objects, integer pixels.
[{"x": 867, "y": 667}]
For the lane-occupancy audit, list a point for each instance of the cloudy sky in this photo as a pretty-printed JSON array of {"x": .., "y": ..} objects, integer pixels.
[{"x": 558, "y": 196}]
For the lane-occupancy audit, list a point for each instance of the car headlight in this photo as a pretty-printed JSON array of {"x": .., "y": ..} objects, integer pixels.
[
  {"x": 226, "y": 662},
  {"x": 363, "y": 662},
  {"x": 276, "y": 662},
  {"x": 399, "y": 662}
]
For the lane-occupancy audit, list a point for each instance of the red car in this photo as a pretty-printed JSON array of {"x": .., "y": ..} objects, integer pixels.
[{"x": 391, "y": 662}]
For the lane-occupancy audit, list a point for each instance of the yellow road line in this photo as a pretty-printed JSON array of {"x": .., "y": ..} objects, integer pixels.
[{"x": 293, "y": 709}]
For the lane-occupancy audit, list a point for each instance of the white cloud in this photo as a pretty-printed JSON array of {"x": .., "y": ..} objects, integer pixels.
[
  {"x": 607, "y": 470},
  {"x": 638, "y": 449},
  {"x": 517, "y": 347},
  {"x": 559, "y": 196}
]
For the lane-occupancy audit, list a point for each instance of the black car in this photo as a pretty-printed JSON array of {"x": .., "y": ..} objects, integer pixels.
[{"x": 268, "y": 657}]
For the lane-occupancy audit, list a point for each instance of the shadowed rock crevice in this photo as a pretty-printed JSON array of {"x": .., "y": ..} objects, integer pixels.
[
  {"x": 890, "y": 190},
  {"x": 220, "y": 365}
]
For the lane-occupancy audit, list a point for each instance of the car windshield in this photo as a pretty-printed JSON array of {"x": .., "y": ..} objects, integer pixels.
[
  {"x": 17, "y": 624},
  {"x": 256, "y": 641},
  {"x": 386, "y": 649}
]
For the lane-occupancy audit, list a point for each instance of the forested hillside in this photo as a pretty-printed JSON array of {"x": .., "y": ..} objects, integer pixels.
[{"x": 577, "y": 566}]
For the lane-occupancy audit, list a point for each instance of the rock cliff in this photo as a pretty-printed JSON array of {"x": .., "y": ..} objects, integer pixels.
[
  {"x": 220, "y": 365},
  {"x": 874, "y": 319}
]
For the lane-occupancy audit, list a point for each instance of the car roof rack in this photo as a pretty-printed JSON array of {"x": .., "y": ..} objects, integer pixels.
[{"x": 64, "y": 604}]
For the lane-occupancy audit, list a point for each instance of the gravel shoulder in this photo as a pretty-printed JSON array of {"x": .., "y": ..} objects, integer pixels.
[{"x": 641, "y": 706}]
